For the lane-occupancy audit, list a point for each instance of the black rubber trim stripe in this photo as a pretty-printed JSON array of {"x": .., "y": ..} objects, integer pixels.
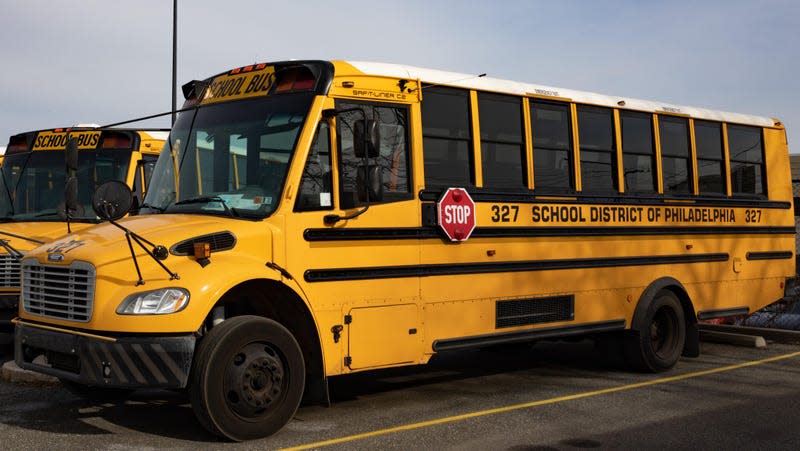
[
  {"x": 386, "y": 272},
  {"x": 416, "y": 233},
  {"x": 721, "y": 313},
  {"x": 771, "y": 255},
  {"x": 521, "y": 197},
  {"x": 526, "y": 335}
]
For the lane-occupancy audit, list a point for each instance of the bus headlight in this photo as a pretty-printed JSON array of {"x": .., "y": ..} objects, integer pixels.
[{"x": 156, "y": 302}]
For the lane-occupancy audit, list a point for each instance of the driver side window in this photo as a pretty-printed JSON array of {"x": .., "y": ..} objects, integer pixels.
[
  {"x": 317, "y": 184},
  {"x": 391, "y": 163}
]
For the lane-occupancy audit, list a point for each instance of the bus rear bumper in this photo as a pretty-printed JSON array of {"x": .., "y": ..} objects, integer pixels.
[
  {"x": 791, "y": 289},
  {"x": 140, "y": 361}
]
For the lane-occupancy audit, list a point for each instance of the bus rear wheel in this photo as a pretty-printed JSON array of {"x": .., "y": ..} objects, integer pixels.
[
  {"x": 247, "y": 379},
  {"x": 658, "y": 342}
]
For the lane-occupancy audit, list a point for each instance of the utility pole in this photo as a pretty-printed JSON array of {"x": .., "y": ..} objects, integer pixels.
[{"x": 174, "y": 56}]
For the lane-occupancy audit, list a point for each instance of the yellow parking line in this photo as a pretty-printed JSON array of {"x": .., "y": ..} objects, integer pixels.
[{"x": 527, "y": 405}]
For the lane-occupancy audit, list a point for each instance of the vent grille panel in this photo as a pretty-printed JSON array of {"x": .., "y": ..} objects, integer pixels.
[
  {"x": 61, "y": 292},
  {"x": 220, "y": 241},
  {"x": 9, "y": 271},
  {"x": 520, "y": 312}
]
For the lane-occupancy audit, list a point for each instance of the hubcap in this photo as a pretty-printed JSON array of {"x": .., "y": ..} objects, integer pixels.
[
  {"x": 663, "y": 333},
  {"x": 254, "y": 380}
]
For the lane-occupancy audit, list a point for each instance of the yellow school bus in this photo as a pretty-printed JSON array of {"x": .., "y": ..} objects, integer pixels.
[
  {"x": 310, "y": 219},
  {"x": 32, "y": 193}
]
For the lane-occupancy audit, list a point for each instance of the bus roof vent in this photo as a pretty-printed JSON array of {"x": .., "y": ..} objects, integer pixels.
[{"x": 219, "y": 241}]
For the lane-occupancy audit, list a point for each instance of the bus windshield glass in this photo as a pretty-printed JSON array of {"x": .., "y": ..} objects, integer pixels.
[
  {"x": 33, "y": 182},
  {"x": 230, "y": 158}
]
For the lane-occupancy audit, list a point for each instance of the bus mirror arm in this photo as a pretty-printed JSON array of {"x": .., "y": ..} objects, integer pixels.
[
  {"x": 158, "y": 252},
  {"x": 111, "y": 201},
  {"x": 17, "y": 255},
  {"x": 71, "y": 183}
]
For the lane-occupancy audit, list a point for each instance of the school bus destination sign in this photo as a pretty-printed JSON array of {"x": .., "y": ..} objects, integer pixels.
[{"x": 577, "y": 215}]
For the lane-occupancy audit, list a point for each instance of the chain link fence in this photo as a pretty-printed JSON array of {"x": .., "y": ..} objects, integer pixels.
[{"x": 784, "y": 314}]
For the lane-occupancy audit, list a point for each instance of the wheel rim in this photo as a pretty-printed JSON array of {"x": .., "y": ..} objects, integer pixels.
[
  {"x": 255, "y": 380},
  {"x": 664, "y": 332}
]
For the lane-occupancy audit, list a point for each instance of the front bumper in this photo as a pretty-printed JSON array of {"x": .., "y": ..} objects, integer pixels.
[{"x": 139, "y": 361}]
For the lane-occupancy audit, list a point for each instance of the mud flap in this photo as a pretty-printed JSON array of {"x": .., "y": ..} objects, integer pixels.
[{"x": 691, "y": 347}]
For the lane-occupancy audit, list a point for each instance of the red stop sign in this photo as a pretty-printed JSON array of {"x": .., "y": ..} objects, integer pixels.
[{"x": 456, "y": 214}]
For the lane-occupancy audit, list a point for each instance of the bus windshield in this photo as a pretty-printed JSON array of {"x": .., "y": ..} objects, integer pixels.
[
  {"x": 230, "y": 158},
  {"x": 33, "y": 182}
]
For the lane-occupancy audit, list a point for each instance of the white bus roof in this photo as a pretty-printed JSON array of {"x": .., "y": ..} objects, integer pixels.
[{"x": 472, "y": 81}]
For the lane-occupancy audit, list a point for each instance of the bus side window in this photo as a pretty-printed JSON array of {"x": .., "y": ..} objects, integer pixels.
[
  {"x": 447, "y": 138},
  {"x": 597, "y": 149},
  {"x": 391, "y": 163},
  {"x": 316, "y": 185},
  {"x": 144, "y": 171},
  {"x": 710, "y": 157},
  {"x": 747, "y": 160},
  {"x": 502, "y": 145},
  {"x": 676, "y": 160},
  {"x": 552, "y": 146},
  {"x": 148, "y": 168},
  {"x": 638, "y": 152}
]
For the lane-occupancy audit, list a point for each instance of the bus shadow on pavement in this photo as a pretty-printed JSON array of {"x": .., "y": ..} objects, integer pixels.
[
  {"x": 542, "y": 358},
  {"x": 55, "y": 410}
]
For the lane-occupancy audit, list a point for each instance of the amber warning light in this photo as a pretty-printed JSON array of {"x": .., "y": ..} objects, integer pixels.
[{"x": 202, "y": 253}]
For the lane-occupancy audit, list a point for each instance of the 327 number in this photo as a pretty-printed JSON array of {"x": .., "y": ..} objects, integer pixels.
[
  {"x": 505, "y": 213},
  {"x": 752, "y": 216}
]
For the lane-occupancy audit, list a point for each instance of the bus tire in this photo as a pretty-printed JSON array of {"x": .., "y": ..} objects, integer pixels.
[
  {"x": 247, "y": 378},
  {"x": 656, "y": 344}
]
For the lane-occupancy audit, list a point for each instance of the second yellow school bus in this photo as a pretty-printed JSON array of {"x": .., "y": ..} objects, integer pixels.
[
  {"x": 32, "y": 191},
  {"x": 304, "y": 205}
]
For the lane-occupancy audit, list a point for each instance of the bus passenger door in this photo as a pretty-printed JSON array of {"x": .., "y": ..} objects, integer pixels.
[{"x": 345, "y": 240}]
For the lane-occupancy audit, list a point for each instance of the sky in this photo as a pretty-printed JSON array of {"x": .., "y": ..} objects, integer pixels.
[{"x": 92, "y": 61}]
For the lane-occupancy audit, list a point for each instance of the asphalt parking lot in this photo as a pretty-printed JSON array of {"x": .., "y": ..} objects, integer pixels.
[{"x": 548, "y": 396}]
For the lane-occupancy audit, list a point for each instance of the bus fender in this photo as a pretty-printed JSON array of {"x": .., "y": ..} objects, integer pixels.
[{"x": 691, "y": 347}]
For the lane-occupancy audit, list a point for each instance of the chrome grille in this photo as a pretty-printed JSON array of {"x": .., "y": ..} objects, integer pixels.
[
  {"x": 61, "y": 292},
  {"x": 9, "y": 271}
]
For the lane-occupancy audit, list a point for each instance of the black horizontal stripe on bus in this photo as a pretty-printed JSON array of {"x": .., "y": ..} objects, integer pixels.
[
  {"x": 551, "y": 198},
  {"x": 415, "y": 233},
  {"x": 771, "y": 255},
  {"x": 526, "y": 335},
  {"x": 722, "y": 313},
  {"x": 447, "y": 269}
]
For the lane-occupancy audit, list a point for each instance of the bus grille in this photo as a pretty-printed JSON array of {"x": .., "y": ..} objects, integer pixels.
[
  {"x": 520, "y": 312},
  {"x": 9, "y": 271},
  {"x": 61, "y": 292}
]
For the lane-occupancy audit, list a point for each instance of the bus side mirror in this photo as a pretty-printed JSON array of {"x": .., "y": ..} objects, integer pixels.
[
  {"x": 112, "y": 200},
  {"x": 375, "y": 186},
  {"x": 71, "y": 155},
  {"x": 71, "y": 206},
  {"x": 366, "y": 138}
]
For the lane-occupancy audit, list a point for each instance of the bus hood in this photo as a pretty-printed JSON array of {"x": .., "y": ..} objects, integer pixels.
[
  {"x": 23, "y": 236},
  {"x": 106, "y": 243}
]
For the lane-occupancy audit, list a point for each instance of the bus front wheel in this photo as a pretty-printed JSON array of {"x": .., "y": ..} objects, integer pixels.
[
  {"x": 247, "y": 378},
  {"x": 656, "y": 344}
]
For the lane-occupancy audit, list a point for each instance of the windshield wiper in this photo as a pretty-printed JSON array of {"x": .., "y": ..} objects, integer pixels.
[
  {"x": 48, "y": 213},
  {"x": 153, "y": 207},
  {"x": 232, "y": 212}
]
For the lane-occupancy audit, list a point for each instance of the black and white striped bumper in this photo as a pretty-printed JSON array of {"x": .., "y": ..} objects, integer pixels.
[{"x": 139, "y": 361}]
